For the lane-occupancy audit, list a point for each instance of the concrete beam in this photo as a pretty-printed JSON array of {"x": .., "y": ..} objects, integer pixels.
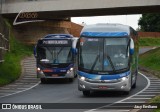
[{"x": 75, "y": 8}]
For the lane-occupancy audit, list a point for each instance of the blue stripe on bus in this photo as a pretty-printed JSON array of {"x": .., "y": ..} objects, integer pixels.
[
  {"x": 103, "y": 77},
  {"x": 104, "y": 34}
]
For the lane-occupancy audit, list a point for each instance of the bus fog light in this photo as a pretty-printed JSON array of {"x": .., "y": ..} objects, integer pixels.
[
  {"x": 122, "y": 87},
  {"x": 68, "y": 72},
  {"x": 83, "y": 86}
]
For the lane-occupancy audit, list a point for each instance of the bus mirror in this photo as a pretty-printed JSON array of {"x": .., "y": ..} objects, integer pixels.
[
  {"x": 74, "y": 51},
  {"x": 74, "y": 44},
  {"x": 131, "y": 47}
]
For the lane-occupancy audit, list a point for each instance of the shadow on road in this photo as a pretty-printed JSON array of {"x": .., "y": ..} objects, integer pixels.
[
  {"x": 103, "y": 94},
  {"x": 58, "y": 81}
]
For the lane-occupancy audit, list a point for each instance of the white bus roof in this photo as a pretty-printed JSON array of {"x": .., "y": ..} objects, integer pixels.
[{"x": 106, "y": 28}]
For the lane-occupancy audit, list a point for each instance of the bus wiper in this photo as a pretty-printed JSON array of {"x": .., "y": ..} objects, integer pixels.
[
  {"x": 127, "y": 48},
  {"x": 111, "y": 63},
  {"x": 94, "y": 64},
  {"x": 60, "y": 51}
]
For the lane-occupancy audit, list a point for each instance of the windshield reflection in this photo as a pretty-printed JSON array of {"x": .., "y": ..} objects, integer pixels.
[{"x": 103, "y": 54}]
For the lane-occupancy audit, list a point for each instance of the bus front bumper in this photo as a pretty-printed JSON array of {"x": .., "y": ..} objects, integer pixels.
[
  {"x": 121, "y": 85},
  {"x": 69, "y": 74}
]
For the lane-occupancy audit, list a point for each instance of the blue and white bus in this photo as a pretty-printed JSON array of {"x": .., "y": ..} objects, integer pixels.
[
  {"x": 56, "y": 57},
  {"x": 107, "y": 58}
]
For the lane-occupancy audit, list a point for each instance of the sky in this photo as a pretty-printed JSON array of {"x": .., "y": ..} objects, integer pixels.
[{"x": 131, "y": 20}]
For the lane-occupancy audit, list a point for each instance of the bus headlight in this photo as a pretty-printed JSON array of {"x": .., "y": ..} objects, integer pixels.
[
  {"x": 124, "y": 78},
  {"x": 38, "y": 69},
  {"x": 82, "y": 78},
  {"x": 70, "y": 70}
]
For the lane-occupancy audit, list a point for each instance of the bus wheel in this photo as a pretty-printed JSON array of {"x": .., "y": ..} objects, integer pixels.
[
  {"x": 134, "y": 85},
  {"x": 86, "y": 93},
  {"x": 43, "y": 80}
]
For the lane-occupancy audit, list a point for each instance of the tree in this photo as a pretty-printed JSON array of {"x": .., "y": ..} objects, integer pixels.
[{"x": 150, "y": 22}]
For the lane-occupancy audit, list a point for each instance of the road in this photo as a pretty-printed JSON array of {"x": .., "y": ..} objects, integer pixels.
[{"x": 61, "y": 91}]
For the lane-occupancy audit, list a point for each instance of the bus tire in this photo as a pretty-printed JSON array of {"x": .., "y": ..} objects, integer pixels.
[
  {"x": 86, "y": 93},
  {"x": 134, "y": 85},
  {"x": 43, "y": 80}
]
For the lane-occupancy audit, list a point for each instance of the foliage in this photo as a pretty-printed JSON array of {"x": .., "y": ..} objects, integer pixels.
[
  {"x": 150, "y": 22},
  {"x": 11, "y": 67}
]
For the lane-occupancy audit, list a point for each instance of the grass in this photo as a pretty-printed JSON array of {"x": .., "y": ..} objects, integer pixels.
[
  {"x": 10, "y": 69},
  {"x": 149, "y": 41},
  {"x": 151, "y": 61},
  {"x": 155, "y": 100}
]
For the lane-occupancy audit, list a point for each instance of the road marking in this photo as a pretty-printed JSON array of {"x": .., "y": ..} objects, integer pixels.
[
  {"x": 28, "y": 78},
  {"x": 109, "y": 110},
  {"x": 18, "y": 83},
  {"x": 133, "y": 102},
  {"x": 121, "y": 101},
  {"x": 21, "y": 88},
  {"x": 145, "y": 95},
  {"x": 21, "y": 91},
  {"x": 152, "y": 78},
  {"x": 4, "y": 88},
  {"x": 152, "y": 92},
  {"x": 140, "y": 98},
  {"x": 153, "y": 86},
  {"x": 153, "y": 89}
]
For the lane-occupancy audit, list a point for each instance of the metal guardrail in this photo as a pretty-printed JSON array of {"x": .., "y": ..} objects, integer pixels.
[{"x": 4, "y": 46}]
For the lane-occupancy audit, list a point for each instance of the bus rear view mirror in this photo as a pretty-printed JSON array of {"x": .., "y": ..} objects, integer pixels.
[
  {"x": 74, "y": 44},
  {"x": 131, "y": 47}
]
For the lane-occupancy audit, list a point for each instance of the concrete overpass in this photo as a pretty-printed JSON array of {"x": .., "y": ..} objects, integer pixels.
[{"x": 75, "y": 8}]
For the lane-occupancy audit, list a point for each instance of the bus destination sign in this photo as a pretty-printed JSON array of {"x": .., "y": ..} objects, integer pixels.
[{"x": 56, "y": 42}]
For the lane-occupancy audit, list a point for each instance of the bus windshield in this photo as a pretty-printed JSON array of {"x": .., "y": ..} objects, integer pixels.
[
  {"x": 103, "y": 54},
  {"x": 55, "y": 55}
]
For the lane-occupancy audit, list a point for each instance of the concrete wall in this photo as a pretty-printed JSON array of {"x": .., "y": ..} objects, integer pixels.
[
  {"x": 75, "y": 29},
  {"x": 149, "y": 34},
  {"x": 29, "y": 33}
]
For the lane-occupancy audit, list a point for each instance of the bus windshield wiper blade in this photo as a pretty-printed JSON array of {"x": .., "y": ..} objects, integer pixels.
[
  {"x": 60, "y": 51},
  {"x": 94, "y": 64},
  {"x": 111, "y": 63}
]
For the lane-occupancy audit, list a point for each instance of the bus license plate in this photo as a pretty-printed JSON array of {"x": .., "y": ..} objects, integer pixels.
[
  {"x": 102, "y": 87},
  {"x": 55, "y": 75}
]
